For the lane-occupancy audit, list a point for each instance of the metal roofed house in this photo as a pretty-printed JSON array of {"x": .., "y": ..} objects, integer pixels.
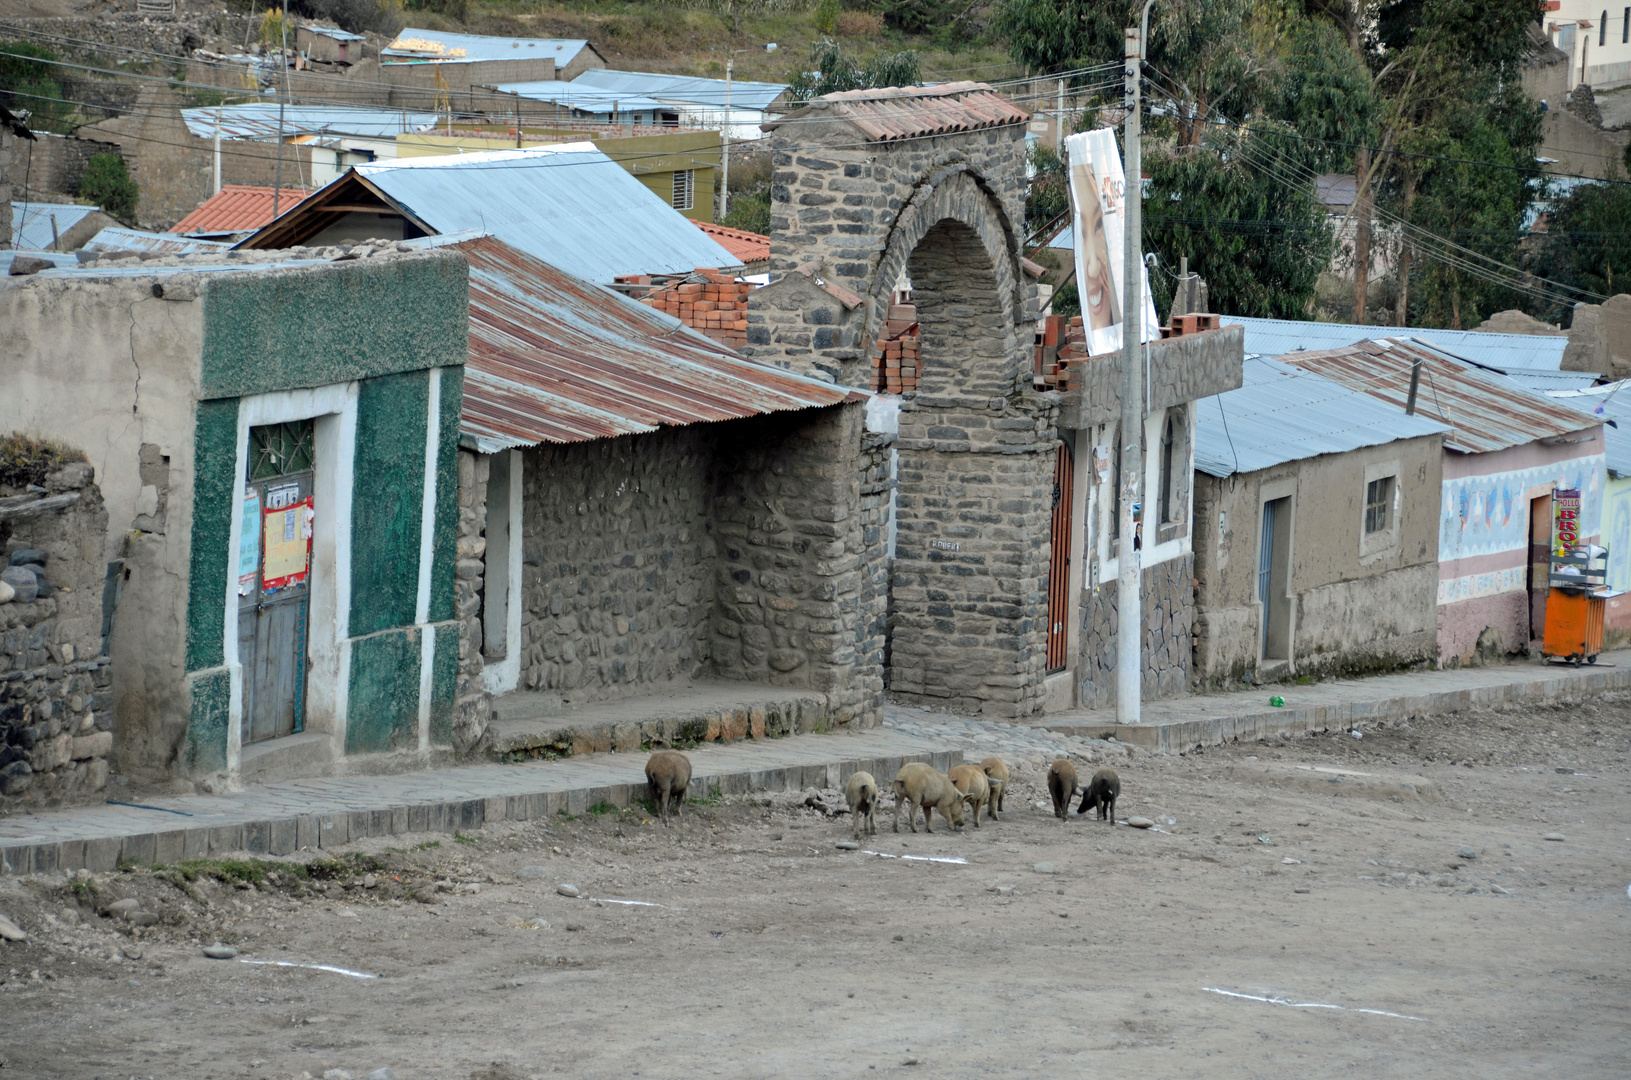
[
  {"x": 570, "y": 57},
  {"x": 575, "y": 102},
  {"x": 238, "y": 210},
  {"x": 335, "y": 136},
  {"x": 250, "y": 638},
  {"x": 329, "y": 44},
  {"x": 1276, "y": 337},
  {"x": 699, "y": 101},
  {"x": 1611, "y": 401},
  {"x": 615, "y": 471},
  {"x": 571, "y": 206},
  {"x": 1507, "y": 449},
  {"x": 1316, "y": 530},
  {"x": 119, "y": 238},
  {"x": 38, "y": 226}
]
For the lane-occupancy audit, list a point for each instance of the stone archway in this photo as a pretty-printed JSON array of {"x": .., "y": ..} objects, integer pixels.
[{"x": 930, "y": 181}]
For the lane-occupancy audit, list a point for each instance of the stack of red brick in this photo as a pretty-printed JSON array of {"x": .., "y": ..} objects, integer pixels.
[
  {"x": 714, "y": 303},
  {"x": 1061, "y": 347},
  {"x": 897, "y": 359}
]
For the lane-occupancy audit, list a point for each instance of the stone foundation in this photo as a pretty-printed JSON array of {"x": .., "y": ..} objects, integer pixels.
[
  {"x": 1169, "y": 619},
  {"x": 56, "y": 704},
  {"x": 472, "y": 707}
]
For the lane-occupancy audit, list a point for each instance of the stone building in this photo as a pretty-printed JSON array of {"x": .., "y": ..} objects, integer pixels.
[
  {"x": 1316, "y": 530},
  {"x": 924, "y": 188},
  {"x": 659, "y": 541},
  {"x": 274, "y": 437}
]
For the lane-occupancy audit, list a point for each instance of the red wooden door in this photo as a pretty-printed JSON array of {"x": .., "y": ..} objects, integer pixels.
[{"x": 1064, "y": 485}]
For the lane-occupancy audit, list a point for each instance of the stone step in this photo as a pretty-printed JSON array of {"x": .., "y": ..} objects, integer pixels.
[{"x": 541, "y": 725}]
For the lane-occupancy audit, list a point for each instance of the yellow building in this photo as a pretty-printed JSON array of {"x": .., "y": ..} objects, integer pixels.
[{"x": 681, "y": 167}]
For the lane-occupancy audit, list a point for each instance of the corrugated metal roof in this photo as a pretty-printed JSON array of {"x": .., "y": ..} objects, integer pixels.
[
  {"x": 1544, "y": 382},
  {"x": 1283, "y": 413},
  {"x": 238, "y": 208},
  {"x": 571, "y": 205},
  {"x": 413, "y": 44},
  {"x": 116, "y": 238},
  {"x": 691, "y": 90},
  {"x": 332, "y": 32},
  {"x": 1485, "y": 411},
  {"x": 746, "y": 246},
  {"x": 587, "y": 99},
  {"x": 31, "y": 222},
  {"x": 259, "y": 120},
  {"x": 1611, "y": 401},
  {"x": 1275, "y": 337},
  {"x": 556, "y": 359},
  {"x": 55, "y": 258},
  {"x": 903, "y": 112}
]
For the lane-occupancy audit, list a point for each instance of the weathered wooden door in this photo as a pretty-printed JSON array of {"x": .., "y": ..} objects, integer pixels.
[
  {"x": 1064, "y": 486},
  {"x": 1540, "y": 564},
  {"x": 274, "y": 579}
]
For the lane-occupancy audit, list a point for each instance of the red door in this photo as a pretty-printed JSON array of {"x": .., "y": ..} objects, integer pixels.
[{"x": 1064, "y": 484}]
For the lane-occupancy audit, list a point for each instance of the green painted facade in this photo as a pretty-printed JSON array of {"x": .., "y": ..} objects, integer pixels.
[{"x": 384, "y": 325}]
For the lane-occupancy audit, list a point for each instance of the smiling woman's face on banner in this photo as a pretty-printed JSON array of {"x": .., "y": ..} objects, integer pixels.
[{"x": 1100, "y": 306}]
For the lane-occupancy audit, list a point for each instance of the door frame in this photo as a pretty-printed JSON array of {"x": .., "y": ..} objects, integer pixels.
[
  {"x": 1281, "y": 589},
  {"x": 333, "y": 409},
  {"x": 501, "y": 676}
]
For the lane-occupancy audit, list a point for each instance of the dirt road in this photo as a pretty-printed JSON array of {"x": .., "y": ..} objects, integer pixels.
[{"x": 1413, "y": 921}]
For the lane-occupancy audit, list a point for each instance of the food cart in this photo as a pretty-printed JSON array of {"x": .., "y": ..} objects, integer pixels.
[{"x": 1578, "y": 585}]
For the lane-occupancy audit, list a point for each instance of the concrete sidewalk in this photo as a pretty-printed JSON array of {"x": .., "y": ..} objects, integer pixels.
[
  {"x": 325, "y": 812},
  {"x": 1181, "y": 724}
]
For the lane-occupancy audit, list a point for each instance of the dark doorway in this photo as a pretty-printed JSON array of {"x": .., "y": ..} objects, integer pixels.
[
  {"x": 1064, "y": 486},
  {"x": 1540, "y": 563}
]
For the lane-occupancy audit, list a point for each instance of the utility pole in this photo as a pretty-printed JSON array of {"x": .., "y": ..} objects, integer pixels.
[
  {"x": 1129, "y": 576},
  {"x": 216, "y": 172},
  {"x": 1059, "y": 122},
  {"x": 282, "y": 101},
  {"x": 725, "y": 145}
]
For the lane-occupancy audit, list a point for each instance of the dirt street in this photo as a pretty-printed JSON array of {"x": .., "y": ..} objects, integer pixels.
[{"x": 1272, "y": 924}]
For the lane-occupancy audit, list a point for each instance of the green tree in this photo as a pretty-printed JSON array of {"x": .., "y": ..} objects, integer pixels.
[
  {"x": 107, "y": 183},
  {"x": 1045, "y": 36},
  {"x": 836, "y": 70},
  {"x": 1588, "y": 241},
  {"x": 27, "y": 84},
  {"x": 1261, "y": 244}
]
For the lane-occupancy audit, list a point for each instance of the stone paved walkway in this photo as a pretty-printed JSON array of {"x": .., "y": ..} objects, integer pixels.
[{"x": 280, "y": 818}]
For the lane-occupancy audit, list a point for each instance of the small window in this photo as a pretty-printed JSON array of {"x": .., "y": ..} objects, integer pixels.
[
  {"x": 1378, "y": 505},
  {"x": 1625, "y": 26},
  {"x": 1602, "y": 29},
  {"x": 1169, "y": 439},
  {"x": 685, "y": 189}
]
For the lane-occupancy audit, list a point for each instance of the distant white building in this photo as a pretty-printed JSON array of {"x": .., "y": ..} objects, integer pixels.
[
  {"x": 1596, "y": 38},
  {"x": 696, "y": 102}
]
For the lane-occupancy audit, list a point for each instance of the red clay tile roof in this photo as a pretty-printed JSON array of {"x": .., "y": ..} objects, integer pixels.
[
  {"x": 904, "y": 112},
  {"x": 747, "y": 246},
  {"x": 238, "y": 208}
]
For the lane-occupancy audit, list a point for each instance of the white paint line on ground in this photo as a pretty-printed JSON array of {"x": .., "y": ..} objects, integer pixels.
[
  {"x": 312, "y": 967},
  {"x": 955, "y": 861},
  {"x": 1309, "y": 1004},
  {"x": 632, "y": 903}
]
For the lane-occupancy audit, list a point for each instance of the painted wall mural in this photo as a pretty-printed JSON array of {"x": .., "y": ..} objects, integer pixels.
[
  {"x": 1484, "y": 515},
  {"x": 1617, "y": 533}
]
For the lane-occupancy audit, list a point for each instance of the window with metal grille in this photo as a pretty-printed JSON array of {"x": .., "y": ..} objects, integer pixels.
[
  {"x": 685, "y": 189},
  {"x": 280, "y": 449},
  {"x": 1378, "y": 500}
]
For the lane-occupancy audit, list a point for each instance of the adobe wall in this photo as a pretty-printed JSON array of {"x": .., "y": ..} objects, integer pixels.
[{"x": 57, "y": 164}]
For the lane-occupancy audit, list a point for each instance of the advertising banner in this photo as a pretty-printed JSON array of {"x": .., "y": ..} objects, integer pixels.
[{"x": 1098, "y": 189}]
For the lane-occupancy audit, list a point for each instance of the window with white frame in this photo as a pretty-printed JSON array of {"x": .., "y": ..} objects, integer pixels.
[
  {"x": 685, "y": 189},
  {"x": 1378, "y": 505}
]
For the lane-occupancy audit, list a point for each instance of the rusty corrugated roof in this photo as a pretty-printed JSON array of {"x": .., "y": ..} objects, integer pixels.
[
  {"x": 238, "y": 208},
  {"x": 1484, "y": 410},
  {"x": 557, "y": 359},
  {"x": 747, "y": 246},
  {"x": 904, "y": 112}
]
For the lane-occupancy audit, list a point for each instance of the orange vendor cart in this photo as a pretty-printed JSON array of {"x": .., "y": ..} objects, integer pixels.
[{"x": 1574, "y": 606}]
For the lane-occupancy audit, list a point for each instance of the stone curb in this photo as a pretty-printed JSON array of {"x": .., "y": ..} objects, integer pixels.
[
  {"x": 285, "y": 835},
  {"x": 1182, "y": 736}
]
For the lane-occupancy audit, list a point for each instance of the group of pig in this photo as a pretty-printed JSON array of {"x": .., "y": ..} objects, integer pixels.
[{"x": 918, "y": 786}]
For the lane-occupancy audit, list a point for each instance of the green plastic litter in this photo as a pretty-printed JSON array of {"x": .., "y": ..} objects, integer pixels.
[{"x": 1277, "y": 701}]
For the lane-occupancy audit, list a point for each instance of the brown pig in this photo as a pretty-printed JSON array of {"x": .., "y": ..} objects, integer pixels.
[
  {"x": 668, "y": 774},
  {"x": 923, "y": 785},
  {"x": 996, "y": 775},
  {"x": 970, "y": 782},
  {"x": 862, "y": 795},
  {"x": 1062, "y": 786}
]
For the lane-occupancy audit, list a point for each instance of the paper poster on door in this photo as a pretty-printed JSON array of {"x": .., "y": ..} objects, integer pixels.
[
  {"x": 249, "y": 541},
  {"x": 286, "y": 545}
]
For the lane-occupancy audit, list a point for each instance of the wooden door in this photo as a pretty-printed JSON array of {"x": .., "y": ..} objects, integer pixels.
[
  {"x": 274, "y": 582},
  {"x": 1265, "y": 576},
  {"x": 1540, "y": 563},
  {"x": 1064, "y": 486}
]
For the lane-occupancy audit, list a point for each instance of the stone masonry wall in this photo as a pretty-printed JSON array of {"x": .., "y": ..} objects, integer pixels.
[
  {"x": 57, "y": 164},
  {"x": 1169, "y": 620},
  {"x": 797, "y": 519},
  {"x": 618, "y": 564},
  {"x": 472, "y": 705},
  {"x": 56, "y": 705}
]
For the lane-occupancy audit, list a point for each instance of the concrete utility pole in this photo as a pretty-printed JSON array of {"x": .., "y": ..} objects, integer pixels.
[
  {"x": 282, "y": 100},
  {"x": 725, "y": 146},
  {"x": 215, "y": 178},
  {"x": 1129, "y": 577}
]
